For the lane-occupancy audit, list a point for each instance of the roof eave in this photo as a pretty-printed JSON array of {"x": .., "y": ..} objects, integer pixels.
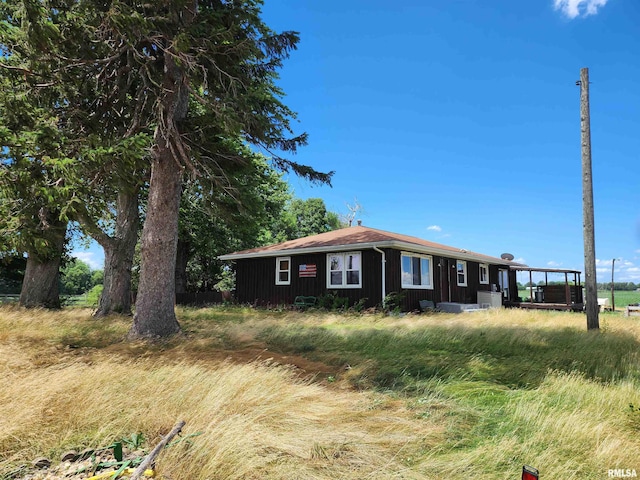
[
  {"x": 396, "y": 244},
  {"x": 303, "y": 250}
]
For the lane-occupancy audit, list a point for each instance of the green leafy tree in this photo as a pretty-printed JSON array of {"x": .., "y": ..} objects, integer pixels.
[
  {"x": 76, "y": 278},
  {"x": 215, "y": 221},
  {"x": 302, "y": 218},
  {"x": 97, "y": 277},
  {"x": 93, "y": 295}
]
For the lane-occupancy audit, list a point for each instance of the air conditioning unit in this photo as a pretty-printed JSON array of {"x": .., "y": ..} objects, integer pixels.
[{"x": 493, "y": 299}]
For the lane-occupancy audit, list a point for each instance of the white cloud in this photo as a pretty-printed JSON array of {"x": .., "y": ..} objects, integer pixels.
[
  {"x": 553, "y": 264},
  {"x": 435, "y": 228},
  {"x": 576, "y": 8},
  {"x": 88, "y": 258},
  {"x": 609, "y": 261}
]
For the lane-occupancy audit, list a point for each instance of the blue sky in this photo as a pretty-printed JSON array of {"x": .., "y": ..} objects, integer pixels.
[{"x": 457, "y": 121}]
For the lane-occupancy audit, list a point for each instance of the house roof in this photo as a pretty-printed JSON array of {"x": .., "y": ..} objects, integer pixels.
[{"x": 360, "y": 237}]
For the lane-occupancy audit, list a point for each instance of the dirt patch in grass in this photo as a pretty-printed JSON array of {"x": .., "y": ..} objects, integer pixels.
[{"x": 198, "y": 351}]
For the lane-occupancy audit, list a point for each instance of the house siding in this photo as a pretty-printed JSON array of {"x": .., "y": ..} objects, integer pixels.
[
  {"x": 255, "y": 280},
  {"x": 445, "y": 284}
]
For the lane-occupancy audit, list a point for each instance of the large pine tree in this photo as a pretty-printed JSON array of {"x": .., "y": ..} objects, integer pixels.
[
  {"x": 197, "y": 72},
  {"x": 32, "y": 220}
]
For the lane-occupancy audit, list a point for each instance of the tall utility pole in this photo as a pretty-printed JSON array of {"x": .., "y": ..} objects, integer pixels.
[
  {"x": 592, "y": 308},
  {"x": 613, "y": 300}
]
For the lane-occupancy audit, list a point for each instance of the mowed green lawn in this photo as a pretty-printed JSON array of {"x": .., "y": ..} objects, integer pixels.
[
  {"x": 622, "y": 298},
  {"x": 325, "y": 395}
]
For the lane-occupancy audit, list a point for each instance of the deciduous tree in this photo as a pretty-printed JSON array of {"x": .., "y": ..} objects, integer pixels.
[
  {"x": 214, "y": 221},
  {"x": 75, "y": 278},
  {"x": 301, "y": 218}
]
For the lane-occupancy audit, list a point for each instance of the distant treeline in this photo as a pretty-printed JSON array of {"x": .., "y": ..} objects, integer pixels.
[{"x": 622, "y": 286}]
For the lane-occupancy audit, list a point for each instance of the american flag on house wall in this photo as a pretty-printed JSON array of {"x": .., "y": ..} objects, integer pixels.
[{"x": 307, "y": 270}]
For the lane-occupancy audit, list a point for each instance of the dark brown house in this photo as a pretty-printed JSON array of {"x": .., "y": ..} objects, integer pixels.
[{"x": 360, "y": 262}]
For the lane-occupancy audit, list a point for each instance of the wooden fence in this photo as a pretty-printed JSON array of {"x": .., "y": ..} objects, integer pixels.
[{"x": 199, "y": 298}]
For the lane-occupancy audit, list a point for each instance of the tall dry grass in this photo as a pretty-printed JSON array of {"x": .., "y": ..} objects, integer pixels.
[
  {"x": 254, "y": 420},
  {"x": 511, "y": 387}
]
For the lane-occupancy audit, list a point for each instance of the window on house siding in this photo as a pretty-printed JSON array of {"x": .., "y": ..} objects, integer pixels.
[
  {"x": 344, "y": 270},
  {"x": 484, "y": 274},
  {"x": 417, "y": 271},
  {"x": 461, "y": 269},
  {"x": 283, "y": 270}
]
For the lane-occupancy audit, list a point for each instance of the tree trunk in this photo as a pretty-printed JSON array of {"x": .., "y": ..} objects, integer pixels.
[
  {"x": 40, "y": 286},
  {"x": 155, "y": 313},
  {"x": 118, "y": 257},
  {"x": 182, "y": 259}
]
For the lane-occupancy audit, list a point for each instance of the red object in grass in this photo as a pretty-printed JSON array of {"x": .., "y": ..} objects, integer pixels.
[{"x": 529, "y": 473}]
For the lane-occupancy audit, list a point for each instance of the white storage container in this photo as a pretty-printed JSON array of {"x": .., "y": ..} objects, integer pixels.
[{"x": 493, "y": 299}]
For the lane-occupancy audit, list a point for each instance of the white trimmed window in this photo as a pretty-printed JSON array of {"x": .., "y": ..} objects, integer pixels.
[
  {"x": 417, "y": 271},
  {"x": 344, "y": 270},
  {"x": 484, "y": 274},
  {"x": 461, "y": 272},
  {"x": 283, "y": 270}
]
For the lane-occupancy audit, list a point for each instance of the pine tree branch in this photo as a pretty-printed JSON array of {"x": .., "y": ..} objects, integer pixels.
[{"x": 92, "y": 228}]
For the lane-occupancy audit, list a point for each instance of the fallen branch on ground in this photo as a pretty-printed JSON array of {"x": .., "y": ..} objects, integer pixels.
[{"x": 146, "y": 463}]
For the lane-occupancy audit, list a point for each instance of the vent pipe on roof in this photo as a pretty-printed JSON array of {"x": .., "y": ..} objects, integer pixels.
[{"x": 359, "y": 223}]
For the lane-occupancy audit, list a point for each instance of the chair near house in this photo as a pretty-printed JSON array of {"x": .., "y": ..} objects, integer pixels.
[{"x": 302, "y": 302}]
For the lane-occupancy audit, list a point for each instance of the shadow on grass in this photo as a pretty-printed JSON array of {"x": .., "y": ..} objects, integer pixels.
[
  {"x": 514, "y": 357},
  {"x": 396, "y": 358}
]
